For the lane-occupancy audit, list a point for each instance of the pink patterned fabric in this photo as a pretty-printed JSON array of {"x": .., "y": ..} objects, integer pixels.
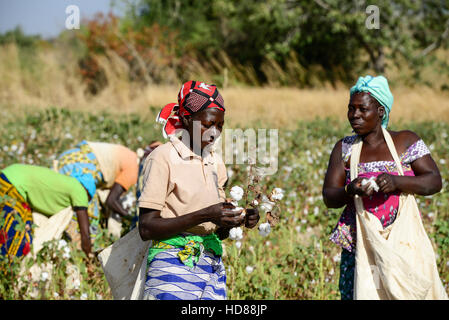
[{"x": 383, "y": 206}]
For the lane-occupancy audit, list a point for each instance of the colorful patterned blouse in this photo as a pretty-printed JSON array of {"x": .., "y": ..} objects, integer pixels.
[{"x": 383, "y": 205}]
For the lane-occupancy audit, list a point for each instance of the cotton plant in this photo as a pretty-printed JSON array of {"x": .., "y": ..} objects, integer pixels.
[
  {"x": 270, "y": 205},
  {"x": 252, "y": 195},
  {"x": 63, "y": 245},
  {"x": 236, "y": 193}
]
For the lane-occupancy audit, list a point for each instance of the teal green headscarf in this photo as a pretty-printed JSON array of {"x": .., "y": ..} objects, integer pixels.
[{"x": 379, "y": 89}]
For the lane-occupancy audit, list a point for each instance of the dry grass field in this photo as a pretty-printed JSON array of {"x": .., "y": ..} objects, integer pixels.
[{"x": 50, "y": 78}]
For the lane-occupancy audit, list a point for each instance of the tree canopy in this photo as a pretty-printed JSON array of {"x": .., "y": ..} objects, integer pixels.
[{"x": 331, "y": 34}]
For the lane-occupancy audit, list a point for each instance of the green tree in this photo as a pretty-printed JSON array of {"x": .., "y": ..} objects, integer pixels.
[
  {"x": 333, "y": 34},
  {"x": 17, "y": 36}
]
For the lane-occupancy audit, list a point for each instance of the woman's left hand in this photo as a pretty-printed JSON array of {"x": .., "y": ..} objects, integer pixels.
[
  {"x": 252, "y": 217},
  {"x": 386, "y": 182}
]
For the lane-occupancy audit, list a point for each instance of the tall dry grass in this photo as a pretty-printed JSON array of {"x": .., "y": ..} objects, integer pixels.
[{"x": 51, "y": 78}]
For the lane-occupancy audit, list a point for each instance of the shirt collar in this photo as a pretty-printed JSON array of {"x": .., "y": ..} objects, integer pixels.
[{"x": 187, "y": 154}]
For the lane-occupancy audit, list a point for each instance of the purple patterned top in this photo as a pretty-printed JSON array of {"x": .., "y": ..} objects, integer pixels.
[{"x": 384, "y": 206}]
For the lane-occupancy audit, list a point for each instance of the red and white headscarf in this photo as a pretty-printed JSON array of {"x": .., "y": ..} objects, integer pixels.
[{"x": 193, "y": 97}]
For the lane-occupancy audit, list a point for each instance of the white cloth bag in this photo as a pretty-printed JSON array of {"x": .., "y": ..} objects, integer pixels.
[
  {"x": 397, "y": 262},
  {"x": 48, "y": 229},
  {"x": 125, "y": 264}
]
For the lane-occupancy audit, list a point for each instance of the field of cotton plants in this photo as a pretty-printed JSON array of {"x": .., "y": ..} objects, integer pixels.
[{"x": 291, "y": 260}]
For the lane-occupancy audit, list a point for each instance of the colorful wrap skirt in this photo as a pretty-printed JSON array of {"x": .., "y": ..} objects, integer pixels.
[
  {"x": 193, "y": 270},
  {"x": 16, "y": 221},
  {"x": 82, "y": 157}
]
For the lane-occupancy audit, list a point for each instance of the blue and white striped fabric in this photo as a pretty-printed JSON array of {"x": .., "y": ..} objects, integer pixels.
[{"x": 169, "y": 279}]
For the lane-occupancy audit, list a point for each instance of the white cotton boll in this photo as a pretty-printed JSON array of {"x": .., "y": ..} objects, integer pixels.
[
  {"x": 292, "y": 194},
  {"x": 372, "y": 183},
  {"x": 66, "y": 254},
  {"x": 21, "y": 149},
  {"x": 337, "y": 258},
  {"x": 83, "y": 296},
  {"x": 230, "y": 173},
  {"x": 62, "y": 244},
  {"x": 238, "y": 244},
  {"x": 236, "y": 233},
  {"x": 76, "y": 284},
  {"x": 55, "y": 294},
  {"x": 249, "y": 269},
  {"x": 236, "y": 193},
  {"x": 128, "y": 201},
  {"x": 255, "y": 203},
  {"x": 33, "y": 134},
  {"x": 44, "y": 276},
  {"x": 267, "y": 205},
  {"x": 264, "y": 229},
  {"x": 140, "y": 153},
  {"x": 277, "y": 194}
]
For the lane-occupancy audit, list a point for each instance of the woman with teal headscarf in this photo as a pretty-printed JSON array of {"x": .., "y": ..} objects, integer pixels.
[{"x": 369, "y": 107}]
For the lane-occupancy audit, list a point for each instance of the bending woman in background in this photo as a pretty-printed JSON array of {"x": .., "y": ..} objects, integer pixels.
[
  {"x": 182, "y": 205},
  {"x": 100, "y": 166},
  {"x": 27, "y": 188},
  {"x": 368, "y": 111}
]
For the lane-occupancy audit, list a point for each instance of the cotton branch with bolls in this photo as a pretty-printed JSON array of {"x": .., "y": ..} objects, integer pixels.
[{"x": 253, "y": 195}]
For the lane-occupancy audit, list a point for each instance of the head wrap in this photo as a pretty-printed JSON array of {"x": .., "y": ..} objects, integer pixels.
[
  {"x": 379, "y": 89},
  {"x": 193, "y": 97},
  {"x": 86, "y": 179}
]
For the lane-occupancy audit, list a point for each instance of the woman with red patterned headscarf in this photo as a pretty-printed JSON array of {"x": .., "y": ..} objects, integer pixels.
[{"x": 182, "y": 206}]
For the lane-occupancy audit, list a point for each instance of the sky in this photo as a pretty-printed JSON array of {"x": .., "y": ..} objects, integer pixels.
[{"x": 46, "y": 17}]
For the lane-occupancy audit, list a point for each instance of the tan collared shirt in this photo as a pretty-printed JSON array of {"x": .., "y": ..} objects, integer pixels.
[{"x": 177, "y": 182}]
